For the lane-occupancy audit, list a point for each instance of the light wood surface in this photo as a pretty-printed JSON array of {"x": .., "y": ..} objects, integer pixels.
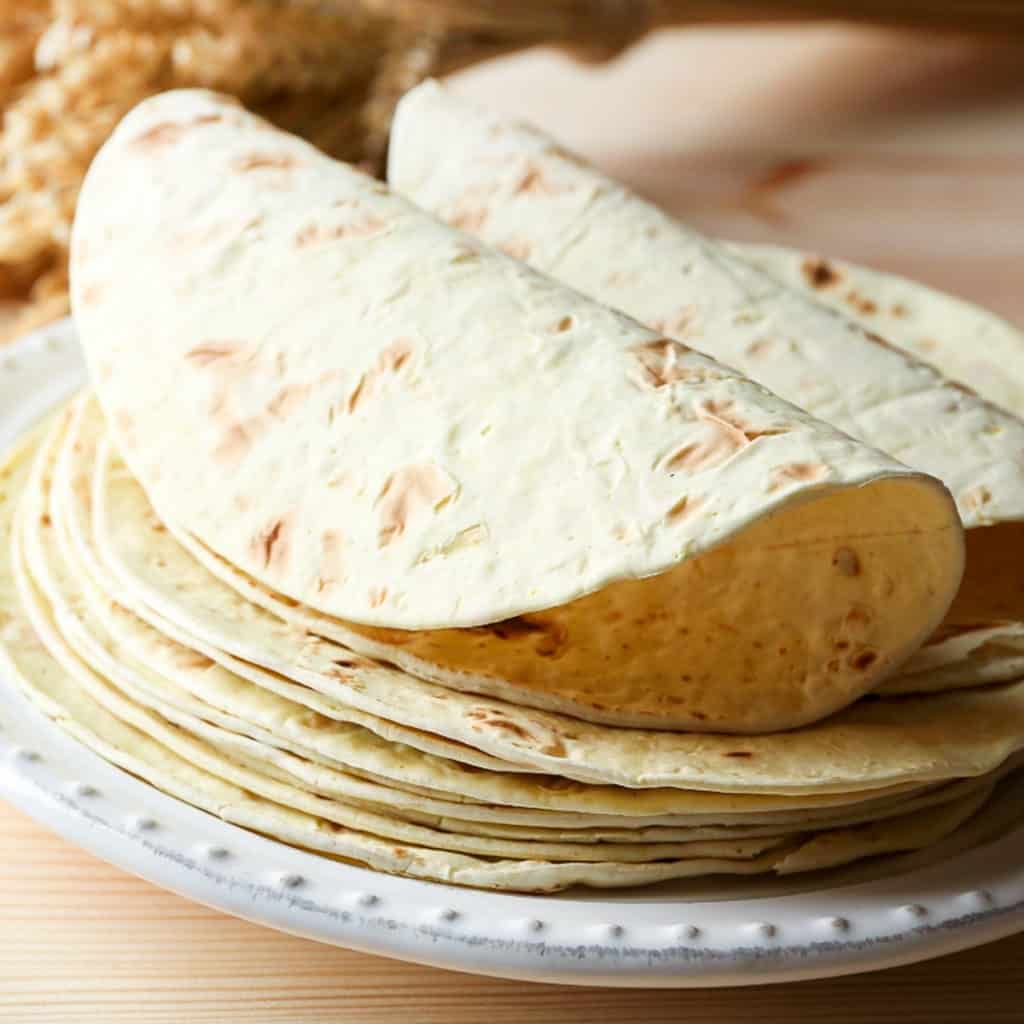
[
  {"x": 81, "y": 941},
  {"x": 903, "y": 152}
]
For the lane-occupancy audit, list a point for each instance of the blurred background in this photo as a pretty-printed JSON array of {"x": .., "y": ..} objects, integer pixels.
[{"x": 891, "y": 134}]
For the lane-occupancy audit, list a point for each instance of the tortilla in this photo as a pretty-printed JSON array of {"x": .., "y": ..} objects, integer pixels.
[
  {"x": 962, "y": 340},
  {"x": 876, "y": 743},
  {"x": 510, "y": 488},
  {"x": 513, "y": 187},
  {"x": 974, "y": 347},
  {"x": 82, "y": 702}
]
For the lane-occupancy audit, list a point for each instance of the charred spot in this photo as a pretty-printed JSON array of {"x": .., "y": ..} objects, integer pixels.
[
  {"x": 861, "y": 303},
  {"x": 845, "y": 560},
  {"x": 820, "y": 273},
  {"x": 864, "y": 660},
  {"x": 739, "y": 753},
  {"x": 267, "y": 540}
]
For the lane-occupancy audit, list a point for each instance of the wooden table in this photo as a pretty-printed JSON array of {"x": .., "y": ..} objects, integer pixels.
[{"x": 906, "y": 153}]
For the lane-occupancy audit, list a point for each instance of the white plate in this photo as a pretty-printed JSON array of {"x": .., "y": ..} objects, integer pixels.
[{"x": 680, "y": 935}]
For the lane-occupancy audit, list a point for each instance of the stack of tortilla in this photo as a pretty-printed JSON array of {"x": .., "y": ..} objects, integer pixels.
[{"x": 377, "y": 540}]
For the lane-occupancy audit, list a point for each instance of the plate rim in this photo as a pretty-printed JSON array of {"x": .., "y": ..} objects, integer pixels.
[{"x": 974, "y": 897}]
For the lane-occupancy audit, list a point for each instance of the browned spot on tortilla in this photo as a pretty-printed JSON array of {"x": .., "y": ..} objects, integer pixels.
[
  {"x": 861, "y": 303},
  {"x": 410, "y": 491},
  {"x": 236, "y": 440},
  {"x": 703, "y": 454},
  {"x": 377, "y": 596},
  {"x": 162, "y": 134},
  {"x": 683, "y": 509},
  {"x": 976, "y": 498},
  {"x": 846, "y": 561},
  {"x": 389, "y": 362},
  {"x": 563, "y": 325},
  {"x": 46, "y": 520},
  {"x": 495, "y": 720},
  {"x": 534, "y": 183},
  {"x": 738, "y": 753},
  {"x": 661, "y": 363},
  {"x": 859, "y": 616},
  {"x": 798, "y": 472},
  {"x": 195, "y": 236},
  {"x": 271, "y": 546},
  {"x": 760, "y": 348},
  {"x": 820, "y": 273},
  {"x": 550, "y": 639},
  {"x": 898, "y": 310},
  {"x": 261, "y": 161},
  {"x": 680, "y": 324},
  {"x": 219, "y": 354},
  {"x": 724, "y": 412},
  {"x": 516, "y": 248},
  {"x": 314, "y": 234},
  {"x": 331, "y": 568},
  {"x": 468, "y": 218},
  {"x": 863, "y": 661},
  {"x": 288, "y": 400}
]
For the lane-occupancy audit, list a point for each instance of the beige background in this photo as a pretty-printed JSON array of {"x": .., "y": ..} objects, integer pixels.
[{"x": 904, "y": 152}]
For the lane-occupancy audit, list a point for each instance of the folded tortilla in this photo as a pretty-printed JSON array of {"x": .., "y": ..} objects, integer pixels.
[
  {"x": 488, "y": 477},
  {"x": 56, "y": 647},
  {"x": 513, "y": 187}
]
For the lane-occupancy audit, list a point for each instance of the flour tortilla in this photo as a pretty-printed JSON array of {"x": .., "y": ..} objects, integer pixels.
[
  {"x": 974, "y": 347},
  {"x": 873, "y": 744},
  {"x": 173, "y": 679},
  {"x": 961, "y": 340},
  {"x": 161, "y": 644},
  {"x": 402, "y": 430},
  {"x": 513, "y": 187},
  {"x": 80, "y": 702},
  {"x": 188, "y": 736}
]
